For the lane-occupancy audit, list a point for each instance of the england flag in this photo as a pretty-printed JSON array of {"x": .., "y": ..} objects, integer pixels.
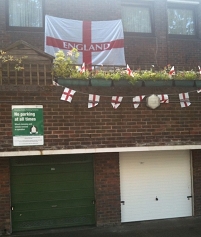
[{"x": 98, "y": 42}]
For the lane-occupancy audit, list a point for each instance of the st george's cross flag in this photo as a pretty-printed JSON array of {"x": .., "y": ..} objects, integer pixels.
[
  {"x": 98, "y": 42},
  {"x": 137, "y": 100},
  {"x": 83, "y": 68},
  {"x": 67, "y": 94},
  {"x": 171, "y": 72},
  {"x": 164, "y": 98},
  {"x": 116, "y": 101},
  {"x": 184, "y": 99},
  {"x": 93, "y": 100},
  {"x": 129, "y": 71}
]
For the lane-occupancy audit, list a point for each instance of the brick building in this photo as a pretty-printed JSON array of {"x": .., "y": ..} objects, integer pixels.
[{"x": 101, "y": 166}]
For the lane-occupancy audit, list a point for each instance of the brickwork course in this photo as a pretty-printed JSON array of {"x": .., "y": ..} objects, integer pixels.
[{"x": 71, "y": 126}]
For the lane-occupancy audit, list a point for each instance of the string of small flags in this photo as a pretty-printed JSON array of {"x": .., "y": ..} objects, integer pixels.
[{"x": 94, "y": 100}]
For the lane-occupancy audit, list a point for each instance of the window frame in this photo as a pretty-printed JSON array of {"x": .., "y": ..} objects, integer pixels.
[
  {"x": 150, "y": 7},
  {"x": 25, "y": 28},
  {"x": 185, "y": 6}
]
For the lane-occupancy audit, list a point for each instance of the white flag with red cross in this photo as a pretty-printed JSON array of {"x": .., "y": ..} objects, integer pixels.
[
  {"x": 116, "y": 101},
  {"x": 98, "y": 42},
  {"x": 171, "y": 72},
  {"x": 67, "y": 95},
  {"x": 184, "y": 99},
  {"x": 93, "y": 100},
  {"x": 137, "y": 100},
  {"x": 164, "y": 98},
  {"x": 83, "y": 69},
  {"x": 129, "y": 71}
]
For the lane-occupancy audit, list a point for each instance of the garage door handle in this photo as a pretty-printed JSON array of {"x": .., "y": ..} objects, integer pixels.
[
  {"x": 123, "y": 202},
  {"x": 189, "y": 197}
]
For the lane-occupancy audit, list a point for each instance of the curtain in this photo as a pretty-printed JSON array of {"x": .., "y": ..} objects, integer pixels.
[
  {"x": 25, "y": 13},
  {"x": 136, "y": 19},
  {"x": 181, "y": 22}
]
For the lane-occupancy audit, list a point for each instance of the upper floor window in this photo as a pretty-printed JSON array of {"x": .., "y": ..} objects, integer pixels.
[
  {"x": 25, "y": 13},
  {"x": 136, "y": 19},
  {"x": 181, "y": 21}
]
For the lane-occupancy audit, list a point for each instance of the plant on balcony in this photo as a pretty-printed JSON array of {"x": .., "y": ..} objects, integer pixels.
[
  {"x": 63, "y": 65},
  {"x": 187, "y": 75},
  {"x": 151, "y": 75}
]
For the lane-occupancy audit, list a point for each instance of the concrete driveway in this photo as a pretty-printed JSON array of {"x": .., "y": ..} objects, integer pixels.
[{"x": 179, "y": 227}]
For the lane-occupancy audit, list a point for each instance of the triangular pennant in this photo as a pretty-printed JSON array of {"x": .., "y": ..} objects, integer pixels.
[
  {"x": 116, "y": 101},
  {"x": 164, "y": 98},
  {"x": 93, "y": 100},
  {"x": 67, "y": 95},
  {"x": 137, "y": 100},
  {"x": 171, "y": 72},
  {"x": 184, "y": 99},
  {"x": 129, "y": 71},
  {"x": 83, "y": 69}
]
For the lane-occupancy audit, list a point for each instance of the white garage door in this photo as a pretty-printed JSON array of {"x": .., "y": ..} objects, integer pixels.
[{"x": 155, "y": 185}]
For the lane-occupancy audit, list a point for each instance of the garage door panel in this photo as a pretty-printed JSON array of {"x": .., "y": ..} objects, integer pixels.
[
  {"x": 19, "y": 197},
  {"x": 43, "y": 197},
  {"x": 155, "y": 185},
  {"x": 52, "y": 186},
  {"x": 46, "y": 213},
  {"x": 67, "y": 203},
  {"x": 52, "y": 177},
  {"x": 56, "y": 222},
  {"x": 45, "y": 169}
]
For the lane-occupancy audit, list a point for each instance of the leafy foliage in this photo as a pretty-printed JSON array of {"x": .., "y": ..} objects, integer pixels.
[
  {"x": 63, "y": 64},
  {"x": 6, "y": 58}
]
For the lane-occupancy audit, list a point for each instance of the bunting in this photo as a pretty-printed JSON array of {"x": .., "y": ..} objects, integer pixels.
[
  {"x": 93, "y": 100},
  {"x": 67, "y": 95},
  {"x": 116, "y": 101},
  {"x": 137, "y": 100},
  {"x": 184, "y": 99},
  {"x": 164, "y": 98}
]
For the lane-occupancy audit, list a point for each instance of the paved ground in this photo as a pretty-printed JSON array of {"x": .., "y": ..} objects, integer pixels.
[{"x": 180, "y": 227}]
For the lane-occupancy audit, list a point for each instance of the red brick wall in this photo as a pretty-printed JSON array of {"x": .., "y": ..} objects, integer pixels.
[
  {"x": 4, "y": 195},
  {"x": 107, "y": 189},
  {"x": 197, "y": 181},
  {"x": 73, "y": 125},
  {"x": 158, "y": 50}
]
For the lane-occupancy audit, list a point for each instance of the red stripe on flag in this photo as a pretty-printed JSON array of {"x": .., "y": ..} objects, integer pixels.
[
  {"x": 87, "y": 57},
  {"x": 67, "y": 94},
  {"x": 116, "y": 101},
  {"x": 67, "y": 45},
  {"x": 184, "y": 97},
  {"x": 94, "y": 100}
]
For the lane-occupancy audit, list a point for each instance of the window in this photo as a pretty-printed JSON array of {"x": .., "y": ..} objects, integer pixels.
[
  {"x": 25, "y": 13},
  {"x": 136, "y": 19},
  {"x": 181, "y": 21}
]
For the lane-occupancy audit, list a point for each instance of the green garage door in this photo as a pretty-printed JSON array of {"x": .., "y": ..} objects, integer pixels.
[{"x": 52, "y": 192}]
